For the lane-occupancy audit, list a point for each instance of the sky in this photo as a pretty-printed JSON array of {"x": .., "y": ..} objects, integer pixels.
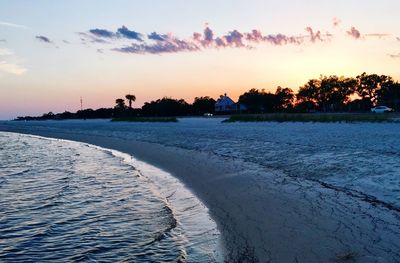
[{"x": 52, "y": 53}]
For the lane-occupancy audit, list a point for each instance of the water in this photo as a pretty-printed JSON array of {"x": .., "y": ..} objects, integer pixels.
[
  {"x": 362, "y": 157},
  {"x": 67, "y": 201}
]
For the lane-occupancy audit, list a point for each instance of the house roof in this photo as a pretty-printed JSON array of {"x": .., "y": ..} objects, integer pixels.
[{"x": 224, "y": 100}]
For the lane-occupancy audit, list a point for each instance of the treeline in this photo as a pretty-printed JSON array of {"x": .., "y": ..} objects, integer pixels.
[
  {"x": 325, "y": 94},
  {"x": 164, "y": 107},
  {"x": 328, "y": 94}
]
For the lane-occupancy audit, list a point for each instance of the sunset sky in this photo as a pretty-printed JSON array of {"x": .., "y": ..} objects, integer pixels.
[{"x": 54, "y": 52}]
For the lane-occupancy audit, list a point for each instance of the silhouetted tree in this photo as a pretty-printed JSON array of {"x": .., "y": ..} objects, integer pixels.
[
  {"x": 308, "y": 96},
  {"x": 258, "y": 101},
  {"x": 389, "y": 95},
  {"x": 103, "y": 113},
  {"x": 48, "y": 116},
  {"x": 120, "y": 104},
  {"x": 305, "y": 106},
  {"x": 203, "y": 105},
  {"x": 368, "y": 86},
  {"x": 130, "y": 98},
  {"x": 359, "y": 105},
  {"x": 166, "y": 107},
  {"x": 336, "y": 92},
  {"x": 284, "y": 98},
  {"x": 327, "y": 93},
  {"x": 65, "y": 115}
]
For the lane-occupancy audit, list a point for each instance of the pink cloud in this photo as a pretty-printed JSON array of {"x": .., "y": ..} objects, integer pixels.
[{"x": 353, "y": 32}]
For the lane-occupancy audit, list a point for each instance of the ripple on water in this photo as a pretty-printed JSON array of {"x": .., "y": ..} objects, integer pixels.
[{"x": 65, "y": 201}]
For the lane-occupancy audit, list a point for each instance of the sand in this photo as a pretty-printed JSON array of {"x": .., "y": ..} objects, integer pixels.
[{"x": 263, "y": 214}]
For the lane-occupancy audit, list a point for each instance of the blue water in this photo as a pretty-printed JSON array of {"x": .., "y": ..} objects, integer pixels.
[{"x": 67, "y": 201}]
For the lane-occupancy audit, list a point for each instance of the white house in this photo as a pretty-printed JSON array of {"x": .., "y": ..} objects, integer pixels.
[{"x": 226, "y": 104}]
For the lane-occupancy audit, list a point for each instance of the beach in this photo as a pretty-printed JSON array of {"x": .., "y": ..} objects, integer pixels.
[{"x": 278, "y": 192}]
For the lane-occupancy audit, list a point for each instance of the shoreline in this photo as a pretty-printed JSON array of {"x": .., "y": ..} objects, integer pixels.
[
  {"x": 264, "y": 215},
  {"x": 175, "y": 196}
]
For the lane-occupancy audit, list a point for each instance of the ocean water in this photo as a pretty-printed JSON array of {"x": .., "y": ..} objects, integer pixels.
[
  {"x": 361, "y": 157},
  {"x": 67, "y": 201}
]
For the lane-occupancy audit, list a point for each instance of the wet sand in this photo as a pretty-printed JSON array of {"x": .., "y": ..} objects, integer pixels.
[{"x": 264, "y": 215}]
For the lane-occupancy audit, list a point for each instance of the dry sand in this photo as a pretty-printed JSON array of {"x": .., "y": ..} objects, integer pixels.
[{"x": 265, "y": 216}]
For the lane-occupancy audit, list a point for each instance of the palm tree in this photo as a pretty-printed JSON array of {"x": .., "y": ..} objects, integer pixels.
[
  {"x": 130, "y": 98},
  {"x": 120, "y": 103}
]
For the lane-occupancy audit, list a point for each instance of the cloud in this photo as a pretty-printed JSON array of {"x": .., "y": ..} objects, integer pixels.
[
  {"x": 398, "y": 38},
  {"x": 395, "y": 56},
  {"x": 206, "y": 39},
  {"x": 98, "y": 35},
  {"x": 234, "y": 39},
  {"x": 2, "y": 23},
  {"x": 3, "y": 40},
  {"x": 43, "y": 39},
  {"x": 8, "y": 67},
  {"x": 88, "y": 37},
  {"x": 254, "y": 36},
  {"x": 125, "y": 32},
  {"x": 281, "y": 39},
  {"x": 314, "y": 36},
  {"x": 336, "y": 22},
  {"x": 237, "y": 39},
  {"x": 168, "y": 44},
  {"x": 5, "y": 52},
  {"x": 11, "y": 68},
  {"x": 102, "y": 33},
  {"x": 156, "y": 37},
  {"x": 353, "y": 32},
  {"x": 157, "y": 43}
]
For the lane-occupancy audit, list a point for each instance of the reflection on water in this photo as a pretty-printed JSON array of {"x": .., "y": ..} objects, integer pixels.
[{"x": 67, "y": 201}]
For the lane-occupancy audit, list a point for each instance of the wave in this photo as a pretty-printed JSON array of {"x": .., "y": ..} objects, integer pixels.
[{"x": 111, "y": 204}]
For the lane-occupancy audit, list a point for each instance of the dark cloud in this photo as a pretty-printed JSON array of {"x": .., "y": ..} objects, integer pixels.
[
  {"x": 91, "y": 38},
  {"x": 156, "y": 43},
  {"x": 3, "y": 40},
  {"x": 157, "y": 37},
  {"x": 66, "y": 41},
  {"x": 234, "y": 39},
  {"x": 314, "y": 36},
  {"x": 208, "y": 39},
  {"x": 254, "y": 36},
  {"x": 167, "y": 45},
  {"x": 43, "y": 39},
  {"x": 220, "y": 42},
  {"x": 398, "y": 38},
  {"x": 353, "y": 32},
  {"x": 208, "y": 36},
  {"x": 238, "y": 39},
  {"x": 280, "y": 39},
  {"x": 102, "y": 33},
  {"x": 125, "y": 32},
  {"x": 105, "y": 36}
]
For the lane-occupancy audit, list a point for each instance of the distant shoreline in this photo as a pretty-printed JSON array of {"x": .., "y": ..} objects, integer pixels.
[
  {"x": 269, "y": 117},
  {"x": 316, "y": 117}
]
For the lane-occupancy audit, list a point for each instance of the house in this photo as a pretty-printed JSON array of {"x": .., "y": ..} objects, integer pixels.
[{"x": 226, "y": 104}]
